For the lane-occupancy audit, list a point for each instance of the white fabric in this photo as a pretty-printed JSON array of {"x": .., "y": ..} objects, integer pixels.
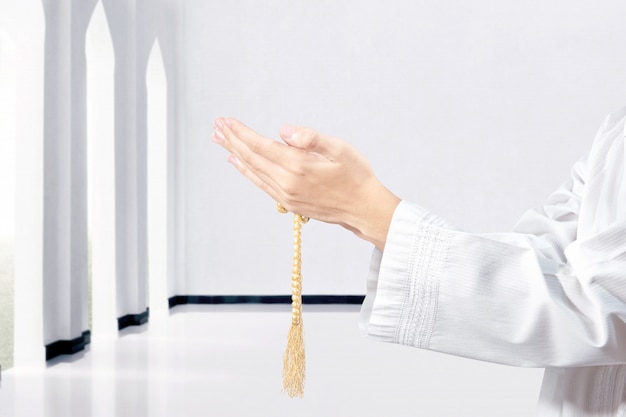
[{"x": 550, "y": 294}]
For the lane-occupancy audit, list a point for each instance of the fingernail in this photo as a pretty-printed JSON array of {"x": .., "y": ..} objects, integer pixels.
[
  {"x": 218, "y": 137},
  {"x": 218, "y": 123},
  {"x": 287, "y": 131},
  {"x": 233, "y": 160}
]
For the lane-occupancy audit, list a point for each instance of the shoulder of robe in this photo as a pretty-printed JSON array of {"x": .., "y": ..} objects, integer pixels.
[
  {"x": 616, "y": 119},
  {"x": 612, "y": 132},
  {"x": 612, "y": 123}
]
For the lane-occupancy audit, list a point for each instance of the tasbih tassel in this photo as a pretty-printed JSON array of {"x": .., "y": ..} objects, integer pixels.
[{"x": 294, "y": 361}]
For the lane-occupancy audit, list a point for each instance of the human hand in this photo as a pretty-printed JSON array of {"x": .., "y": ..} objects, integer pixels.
[{"x": 312, "y": 174}]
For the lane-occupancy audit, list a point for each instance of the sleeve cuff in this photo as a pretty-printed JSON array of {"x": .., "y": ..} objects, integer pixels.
[{"x": 402, "y": 286}]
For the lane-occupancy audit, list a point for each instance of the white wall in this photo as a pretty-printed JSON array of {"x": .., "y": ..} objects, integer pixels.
[{"x": 475, "y": 110}]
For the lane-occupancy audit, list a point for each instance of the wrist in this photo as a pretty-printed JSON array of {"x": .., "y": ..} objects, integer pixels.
[{"x": 372, "y": 223}]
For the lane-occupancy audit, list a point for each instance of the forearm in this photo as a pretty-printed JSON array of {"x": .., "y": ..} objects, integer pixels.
[
  {"x": 499, "y": 297},
  {"x": 372, "y": 218}
]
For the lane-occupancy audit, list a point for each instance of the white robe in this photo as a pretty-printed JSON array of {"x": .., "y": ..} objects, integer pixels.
[{"x": 550, "y": 294}]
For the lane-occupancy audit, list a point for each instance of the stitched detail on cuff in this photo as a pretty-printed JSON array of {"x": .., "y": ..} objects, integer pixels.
[
  {"x": 429, "y": 254},
  {"x": 404, "y": 299}
]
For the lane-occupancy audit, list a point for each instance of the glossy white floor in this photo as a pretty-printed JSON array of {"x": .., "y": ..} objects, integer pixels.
[{"x": 226, "y": 361}]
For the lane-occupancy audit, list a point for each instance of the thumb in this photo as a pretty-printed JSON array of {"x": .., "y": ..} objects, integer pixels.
[{"x": 309, "y": 140}]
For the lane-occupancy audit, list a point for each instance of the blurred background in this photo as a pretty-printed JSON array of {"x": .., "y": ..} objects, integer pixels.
[{"x": 113, "y": 199}]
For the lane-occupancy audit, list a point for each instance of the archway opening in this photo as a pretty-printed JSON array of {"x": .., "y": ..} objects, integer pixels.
[
  {"x": 101, "y": 175},
  {"x": 156, "y": 84}
]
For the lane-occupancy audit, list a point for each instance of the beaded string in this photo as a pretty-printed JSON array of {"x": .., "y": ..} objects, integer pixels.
[{"x": 294, "y": 364}]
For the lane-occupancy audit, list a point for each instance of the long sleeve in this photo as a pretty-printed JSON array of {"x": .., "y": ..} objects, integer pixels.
[{"x": 551, "y": 293}]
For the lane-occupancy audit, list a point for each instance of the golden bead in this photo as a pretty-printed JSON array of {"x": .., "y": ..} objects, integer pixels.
[
  {"x": 296, "y": 269},
  {"x": 280, "y": 208}
]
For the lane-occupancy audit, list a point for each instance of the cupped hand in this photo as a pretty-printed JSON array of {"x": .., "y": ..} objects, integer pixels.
[{"x": 312, "y": 174}]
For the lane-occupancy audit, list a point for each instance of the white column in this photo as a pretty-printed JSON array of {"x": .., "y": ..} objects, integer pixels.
[
  {"x": 100, "y": 110},
  {"x": 180, "y": 166},
  {"x": 126, "y": 209},
  {"x": 172, "y": 47},
  {"x": 121, "y": 18},
  {"x": 65, "y": 172},
  {"x": 130, "y": 158},
  {"x": 28, "y": 291},
  {"x": 57, "y": 171},
  {"x": 141, "y": 162},
  {"x": 81, "y": 16}
]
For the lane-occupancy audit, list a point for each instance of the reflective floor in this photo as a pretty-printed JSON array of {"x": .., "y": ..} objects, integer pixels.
[{"x": 227, "y": 361}]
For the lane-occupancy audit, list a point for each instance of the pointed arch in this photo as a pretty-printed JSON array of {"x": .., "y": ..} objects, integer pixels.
[
  {"x": 171, "y": 42},
  {"x": 101, "y": 173},
  {"x": 156, "y": 84}
]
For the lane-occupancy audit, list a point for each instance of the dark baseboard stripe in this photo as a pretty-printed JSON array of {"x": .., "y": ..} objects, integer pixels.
[
  {"x": 263, "y": 299},
  {"x": 68, "y": 347},
  {"x": 133, "y": 319},
  {"x": 87, "y": 336}
]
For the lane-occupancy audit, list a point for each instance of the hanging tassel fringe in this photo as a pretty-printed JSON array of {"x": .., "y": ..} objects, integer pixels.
[{"x": 294, "y": 361}]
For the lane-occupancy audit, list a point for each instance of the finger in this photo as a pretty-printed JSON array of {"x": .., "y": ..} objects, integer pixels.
[
  {"x": 269, "y": 149},
  {"x": 312, "y": 141},
  {"x": 276, "y": 176},
  {"x": 268, "y": 188},
  {"x": 272, "y": 161}
]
